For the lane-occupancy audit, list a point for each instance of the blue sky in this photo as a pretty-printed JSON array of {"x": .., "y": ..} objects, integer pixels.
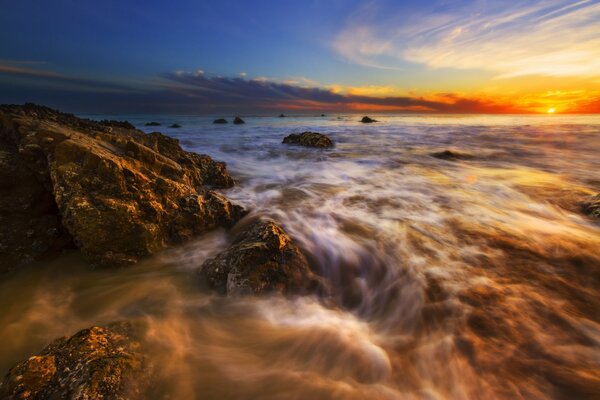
[{"x": 502, "y": 56}]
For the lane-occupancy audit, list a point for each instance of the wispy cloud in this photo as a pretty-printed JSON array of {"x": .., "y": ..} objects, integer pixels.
[{"x": 550, "y": 38}]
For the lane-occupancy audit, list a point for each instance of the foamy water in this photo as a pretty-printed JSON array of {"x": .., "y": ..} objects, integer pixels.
[{"x": 468, "y": 279}]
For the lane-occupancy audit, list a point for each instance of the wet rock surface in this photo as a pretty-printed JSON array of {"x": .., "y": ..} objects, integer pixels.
[
  {"x": 95, "y": 363},
  {"x": 116, "y": 193},
  {"x": 452, "y": 155},
  {"x": 262, "y": 259},
  {"x": 592, "y": 206},
  {"x": 309, "y": 139}
]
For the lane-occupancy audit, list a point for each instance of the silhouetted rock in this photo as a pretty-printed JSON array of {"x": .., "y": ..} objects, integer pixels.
[
  {"x": 452, "y": 155},
  {"x": 118, "y": 194},
  {"x": 261, "y": 259},
  {"x": 592, "y": 206},
  {"x": 95, "y": 363},
  {"x": 308, "y": 139},
  {"x": 175, "y": 126},
  {"x": 281, "y": 115},
  {"x": 367, "y": 120},
  {"x": 238, "y": 121},
  {"x": 152, "y": 124},
  {"x": 220, "y": 121}
]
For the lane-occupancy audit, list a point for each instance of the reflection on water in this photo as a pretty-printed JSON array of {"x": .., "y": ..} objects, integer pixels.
[{"x": 468, "y": 279}]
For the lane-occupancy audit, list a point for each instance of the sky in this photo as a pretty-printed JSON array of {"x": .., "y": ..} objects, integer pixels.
[{"x": 260, "y": 57}]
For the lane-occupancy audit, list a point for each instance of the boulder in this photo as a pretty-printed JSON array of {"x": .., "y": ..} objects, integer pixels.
[
  {"x": 118, "y": 194},
  {"x": 592, "y": 206},
  {"x": 152, "y": 124},
  {"x": 238, "y": 121},
  {"x": 452, "y": 155},
  {"x": 175, "y": 126},
  {"x": 309, "y": 139},
  {"x": 262, "y": 259},
  {"x": 367, "y": 120},
  {"x": 95, "y": 363},
  {"x": 220, "y": 121}
]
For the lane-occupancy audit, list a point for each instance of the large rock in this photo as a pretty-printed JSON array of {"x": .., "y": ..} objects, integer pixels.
[
  {"x": 262, "y": 259},
  {"x": 118, "y": 193},
  {"x": 95, "y": 363},
  {"x": 309, "y": 139}
]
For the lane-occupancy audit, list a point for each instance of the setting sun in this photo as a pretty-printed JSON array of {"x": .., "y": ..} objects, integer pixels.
[{"x": 551, "y": 110}]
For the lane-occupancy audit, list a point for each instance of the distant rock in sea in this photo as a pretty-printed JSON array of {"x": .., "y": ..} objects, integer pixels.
[
  {"x": 322, "y": 115},
  {"x": 262, "y": 259},
  {"x": 452, "y": 155},
  {"x": 238, "y": 121},
  {"x": 95, "y": 363},
  {"x": 309, "y": 139},
  {"x": 152, "y": 124},
  {"x": 175, "y": 126},
  {"x": 367, "y": 120},
  {"x": 220, "y": 121},
  {"x": 281, "y": 115}
]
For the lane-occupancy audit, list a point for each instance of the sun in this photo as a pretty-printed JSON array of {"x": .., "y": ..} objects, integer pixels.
[{"x": 551, "y": 110}]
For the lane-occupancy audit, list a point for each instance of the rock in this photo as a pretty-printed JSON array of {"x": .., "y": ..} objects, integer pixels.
[
  {"x": 152, "y": 124},
  {"x": 592, "y": 206},
  {"x": 220, "y": 121},
  {"x": 238, "y": 121},
  {"x": 118, "y": 194},
  {"x": 262, "y": 259},
  {"x": 451, "y": 155},
  {"x": 95, "y": 363},
  {"x": 120, "y": 124},
  {"x": 281, "y": 116},
  {"x": 309, "y": 139},
  {"x": 367, "y": 120},
  {"x": 175, "y": 126},
  {"x": 322, "y": 115}
]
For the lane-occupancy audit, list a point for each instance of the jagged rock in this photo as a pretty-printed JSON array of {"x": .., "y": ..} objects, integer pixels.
[
  {"x": 120, "y": 194},
  {"x": 175, "y": 126},
  {"x": 261, "y": 259},
  {"x": 152, "y": 124},
  {"x": 95, "y": 363},
  {"x": 451, "y": 155},
  {"x": 308, "y": 139},
  {"x": 238, "y": 121},
  {"x": 118, "y": 124},
  {"x": 220, "y": 121},
  {"x": 367, "y": 120},
  {"x": 592, "y": 207}
]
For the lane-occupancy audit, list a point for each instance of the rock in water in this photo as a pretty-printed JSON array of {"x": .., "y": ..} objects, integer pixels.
[
  {"x": 175, "y": 126},
  {"x": 309, "y": 139},
  {"x": 451, "y": 155},
  {"x": 152, "y": 124},
  {"x": 95, "y": 363},
  {"x": 367, "y": 120},
  {"x": 120, "y": 194},
  {"x": 592, "y": 207},
  {"x": 220, "y": 121},
  {"x": 261, "y": 259},
  {"x": 281, "y": 115},
  {"x": 238, "y": 121}
]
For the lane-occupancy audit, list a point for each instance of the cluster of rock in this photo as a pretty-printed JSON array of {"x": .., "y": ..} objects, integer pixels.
[
  {"x": 309, "y": 139},
  {"x": 236, "y": 121}
]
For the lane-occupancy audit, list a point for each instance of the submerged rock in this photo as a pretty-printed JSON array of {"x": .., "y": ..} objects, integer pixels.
[
  {"x": 95, "y": 363},
  {"x": 120, "y": 194},
  {"x": 238, "y": 121},
  {"x": 367, "y": 120},
  {"x": 592, "y": 206},
  {"x": 152, "y": 124},
  {"x": 309, "y": 139},
  {"x": 452, "y": 155},
  {"x": 261, "y": 259},
  {"x": 175, "y": 126},
  {"x": 220, "y": 121}
]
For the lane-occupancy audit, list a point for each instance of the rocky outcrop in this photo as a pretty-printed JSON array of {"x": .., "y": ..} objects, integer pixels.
[
  {"x": 152, "y": 124},
  {"x": 238, "y": 121},
  {"x": 95, "y": 363},
  {"x": 367, "y": 120},
  {"x": 262, "y": 259},
  {"x": 592, "y": 206},
  {"x": 175, "y": 126},
  {"x": 118, "y": 193},
  {"x": 220, "y": 121},
  {"x": 309, "y": 139},
  {"x": 452, "y": 155}
]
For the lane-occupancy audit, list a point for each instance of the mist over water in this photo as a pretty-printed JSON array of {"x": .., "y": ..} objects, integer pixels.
[{"x": 476, "y": 278}]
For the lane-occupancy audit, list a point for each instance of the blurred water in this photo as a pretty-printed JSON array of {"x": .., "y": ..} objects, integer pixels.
[{"x": 467, "y": 279}]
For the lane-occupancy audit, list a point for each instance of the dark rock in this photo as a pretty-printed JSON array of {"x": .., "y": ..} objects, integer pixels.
[
  {"x": 175, "y": 126},
  {"x": 220, "y": 121},
  {"x": 118, "y": 124},
  {"x": 118, "y": 194},
  {"x": 95, "y": 363},
  {"x": 322, "y": 115},
  {"x": 238, "y": 121},
  {"x": 309, "y": 139},
  {"x": 281, "y": 116},
  {"x": 367, "y": 120},
  {"x": 261, "y": 259},
  {"x": 152, "y": 124},
  {"x": 452, "y": 155},
  {"x": 592, "y": 206}
]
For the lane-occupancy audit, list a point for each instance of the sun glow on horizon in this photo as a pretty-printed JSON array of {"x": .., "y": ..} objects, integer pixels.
[{"x": 551, "y": 110}]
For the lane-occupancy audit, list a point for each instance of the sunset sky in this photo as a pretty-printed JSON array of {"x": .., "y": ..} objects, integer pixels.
[{"x": 302, "y": 56}]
